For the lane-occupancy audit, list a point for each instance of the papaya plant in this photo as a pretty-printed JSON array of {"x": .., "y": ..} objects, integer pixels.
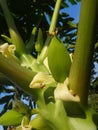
[{"x": 57, "y": 81}]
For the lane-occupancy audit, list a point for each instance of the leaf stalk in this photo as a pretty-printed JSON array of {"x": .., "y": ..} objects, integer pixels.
[{"x": 79, "y": 78}]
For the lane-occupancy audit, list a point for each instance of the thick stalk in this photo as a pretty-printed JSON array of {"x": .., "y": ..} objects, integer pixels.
[
  {"x": 4, "y": 80},
  {"x": 79, "y": 77},
  {"x": 16, "y": 74},
  {"x": 14, "y": 34},
  {"x": 51, "y": 29}
]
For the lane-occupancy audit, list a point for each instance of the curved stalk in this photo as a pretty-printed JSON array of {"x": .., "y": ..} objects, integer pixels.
[{"x": 79, "y": 77}]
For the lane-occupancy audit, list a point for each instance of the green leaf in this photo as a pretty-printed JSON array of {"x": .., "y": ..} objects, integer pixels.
[
  {"x": 58, "y": 60},
  {"x": 6, "y": 38},
  {"x": 78, "y": 0},
  {"x": 38, "y": 123},
  {"x": 11, "y": 118},
  {"x": 72, "y": 2}
]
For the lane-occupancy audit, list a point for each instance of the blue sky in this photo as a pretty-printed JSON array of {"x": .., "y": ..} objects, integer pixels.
[{"x": 74, "y": 11}]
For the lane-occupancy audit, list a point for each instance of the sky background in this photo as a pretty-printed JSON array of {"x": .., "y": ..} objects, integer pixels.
[{"x": 73, "y": 11}]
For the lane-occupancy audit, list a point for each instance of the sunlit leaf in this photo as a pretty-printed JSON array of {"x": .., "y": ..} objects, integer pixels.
[
  {"x": 58, "y": 60},
  {"x": 11, "y": 117},
  {"x": 38, "y": 124}
]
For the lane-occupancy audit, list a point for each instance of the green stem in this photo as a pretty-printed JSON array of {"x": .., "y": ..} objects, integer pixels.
[
  {"x": 51, "y": 29},
  {"x": 14, "y": 34},
  {"x": 43, "y": 53},
  {"x": 16, "y": 74},
  {"x": 55, "y": 16},
  {"x": 79, "y": 77},
  {"x": 58, "y": 119},
  {"x": 4, "y": 80}
]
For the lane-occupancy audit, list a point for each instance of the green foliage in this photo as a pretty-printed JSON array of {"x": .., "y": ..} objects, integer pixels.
[
  {"x": 58, "y": 107},
  {"x": 74, "y": 1},
  {"x": 11, "y": 117},
  {"x": 58, "y": 60},
  {"x": 38, "y": 123},
  {"x": 73, "y": 121}
]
